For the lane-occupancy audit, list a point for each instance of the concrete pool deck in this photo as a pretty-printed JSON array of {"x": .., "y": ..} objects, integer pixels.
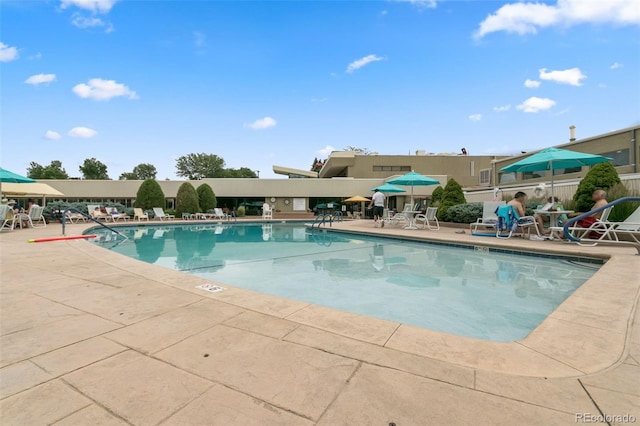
[{"x": 92, "y": 337}]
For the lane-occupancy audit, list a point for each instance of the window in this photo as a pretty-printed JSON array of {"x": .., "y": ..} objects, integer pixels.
[
  {"x": 507, "y": 177},
  {"x": 619, "y": 157},
  {"x": 533, "y": 175},
  {"x": 485, "y": 177},
  {"x": 567, "y": 171},
  {"x": 391, "y": 168}
]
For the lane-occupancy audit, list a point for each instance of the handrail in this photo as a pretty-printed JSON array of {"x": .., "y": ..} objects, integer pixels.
[
  {"x": 63, "y": 220},
  {"x": 567, "y": 225},
  {"x": 321, "y": 219}
]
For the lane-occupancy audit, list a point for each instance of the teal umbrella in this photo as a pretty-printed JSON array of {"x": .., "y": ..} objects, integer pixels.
[
  {"x": 552, "y": 159},
  {"x": 7, "y": 176},
  {"x": 414, "y": 179},
  {"x": 387, "y": 188}
]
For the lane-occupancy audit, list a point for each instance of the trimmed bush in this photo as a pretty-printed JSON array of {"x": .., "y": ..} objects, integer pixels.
[
  {"x": 601, "y": 176},
  {"x": 150, "y": 195},
  {"x": 241, "y": 212},
  {"x": 187, "y": 200},
  {"x": 436, "y": 196},
  {"x": 623, "y": 210},
  {"x": 465, "y": 213},
  {"x": 452, "y": 195},
  {"x": 206, "y": 197}
]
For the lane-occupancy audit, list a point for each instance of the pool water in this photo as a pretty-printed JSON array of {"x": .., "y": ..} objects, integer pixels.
[{"x": 487, "y": 295}]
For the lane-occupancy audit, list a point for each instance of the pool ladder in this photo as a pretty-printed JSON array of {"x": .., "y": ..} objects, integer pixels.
[
  {"x": 323, "y": 219},
  {"x": 63, "y": 220}
]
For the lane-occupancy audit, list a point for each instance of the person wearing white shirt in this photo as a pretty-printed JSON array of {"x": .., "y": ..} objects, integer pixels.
[{"x": 377, "y": 202}]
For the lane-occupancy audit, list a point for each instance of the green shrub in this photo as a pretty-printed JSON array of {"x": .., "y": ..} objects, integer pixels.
[
  {"x": 623, "y": 210},
  {"x": 452, "y": 195},
  {"x": 601, "y": 176},
  {"x": 436, "y": 196},
  {"x": 150, "y": 195},
  {"x": 241, "y": 212},
  {"x": 206, "y": 197},
  {"x": 465, "y": 213},
  {"x": 187, "y": 200}
]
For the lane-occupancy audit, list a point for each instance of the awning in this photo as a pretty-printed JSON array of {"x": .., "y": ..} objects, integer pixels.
[{"x": 30, "y": 189}]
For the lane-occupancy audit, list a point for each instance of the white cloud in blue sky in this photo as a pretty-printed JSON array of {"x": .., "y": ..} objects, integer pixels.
[
  {"x": 503, "y": 108},
  {"x": 615, "y": 66},
  {"x": 475, "y": 117},
  {"x": 535, "y": 104},
  {"x": 527, "y": 17},
  {"x": 431, "y": 4},
  {"x": 103, "y": 90},
  {"x": 8, "y": 53},
  {"x": 531, "y": 84},
  {"x": 94, "y": 6},
  {"x": 364, "y": 61},
  {"x": 38, "y": 79},
  {"x": 82, "y": 132},
  {"x": 571, "y": 76},
  {"x": 50, "y": 134},
  {"x": 263, "y": 123}
]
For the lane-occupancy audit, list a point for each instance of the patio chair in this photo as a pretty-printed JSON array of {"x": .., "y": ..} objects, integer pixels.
[
  {"x": 75, "y": 217},
  {"x": 629, "y": 227},
  {"x": 160, "y": 214},
  {"x": 267, "y": 212},
  {"x": 394, "y": 219},
  {"x": 7, "y": 218},
  {"x": 35, "y": 217},
  {"x": 218, "y": 213},
  {"x": 428, "y": 217},
  {"x": 139, "y": 214},
  {"x": 489, "y": 217},
  {"x": 510, "y": 221},
  {"x": 599, "y": 230}
]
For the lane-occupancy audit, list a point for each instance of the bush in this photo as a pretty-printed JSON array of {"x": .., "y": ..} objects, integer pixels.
[
  {"x": 150, "y": 195},
  {"x": 241, "y": 212},
  {"x": 206, "y": 197},
  {"x": 623, "y": 210},
  {"x": 452, "y": 195},
  {"x": 187, "y": 200},
  {"x": 601, "y": 176},
  {"x": 436, "y": 196},
  {"x": 465, "y": 213}
]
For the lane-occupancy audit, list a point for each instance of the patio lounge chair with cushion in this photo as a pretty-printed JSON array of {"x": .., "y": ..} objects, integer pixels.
[
  {"x": 428, "y": 217},
  {"x": 510, "y": 221},
  {"x": 489, "y": 217},
  {"x": 160, "y": 214},
  {"x": 139, "y": 214}
]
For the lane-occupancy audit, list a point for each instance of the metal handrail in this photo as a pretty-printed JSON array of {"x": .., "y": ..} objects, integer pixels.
[
  {"x": 567, "y": 225},
  {"x": 321, "y": 220},
  {"x": 63, "y": 220}
]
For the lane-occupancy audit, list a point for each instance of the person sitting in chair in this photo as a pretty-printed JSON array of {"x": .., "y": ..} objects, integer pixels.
[
  {"x": 599, "y": 198},
  {"x": 519, "y": 203}
]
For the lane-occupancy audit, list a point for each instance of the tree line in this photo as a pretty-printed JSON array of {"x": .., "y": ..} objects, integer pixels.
[{"x": 193, "y": 166}]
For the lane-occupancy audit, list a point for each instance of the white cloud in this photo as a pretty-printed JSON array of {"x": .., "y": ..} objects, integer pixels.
[
  {"x": 50, "y": 134},
  {"x": 571, "y": 76},
  {"x": 526, "y": 18},
  {"x": 359, "y": 63},
  {"x": 82, "y": 132},
  {"x": 475, "y": 117},
  {"x": 531, "y": 84},
  {"x": 326, "y": 151},
  {"x": 503, "y": 108},
  {"x": 263, "y": 123},
  {"x": 40, "y": 79},
  {"x": 36, "y": 57},
  {"x": 87, "y": 22},
  {"x": 615, "y": 66},
  {"x": 103, "y": 90},
  {"x": 95, "y": 6},
  {"x": 8, "y": 53},
  {"x": 535, "y": 104},
  {"x": 431, "y": 4}
]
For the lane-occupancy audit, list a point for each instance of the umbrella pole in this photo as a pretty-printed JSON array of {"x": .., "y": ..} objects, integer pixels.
[{"x": 553, "y": 192}]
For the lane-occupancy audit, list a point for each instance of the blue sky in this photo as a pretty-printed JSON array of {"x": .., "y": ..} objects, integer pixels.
[{"x": 280, "y": 82}]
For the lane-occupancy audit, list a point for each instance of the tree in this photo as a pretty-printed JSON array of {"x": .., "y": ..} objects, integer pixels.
[
  {"x": 242, "y": 172},
  {"x": 150, "y": 195},
  {"x": 142, "y": 171},
  {"x": 94, "y": 169},
  {"x": 601, "y": 176},
  {"x": 206, "y": 198},
  {"x": 317, "y": 165},
  {"x": 436, "y": 196},
  {"x": 452, "y": 195},
  {"x": 199, "y": 166},
  {"x": 187, "y": 200},
  {"x": 52, "y": 171}
]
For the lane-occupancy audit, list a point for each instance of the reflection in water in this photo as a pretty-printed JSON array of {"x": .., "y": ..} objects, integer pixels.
[
  {"x": 378, "y": 257},
  {"x": 149, "y": 249}
]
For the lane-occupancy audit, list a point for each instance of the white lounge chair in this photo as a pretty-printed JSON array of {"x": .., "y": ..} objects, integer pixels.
[
  {"x": 394, "y": 219},
  {"x": 160, "y": 214},
  {"x": 629, "y": 227},
  {"x": 139, "y": 214},
  {"x": 7, "y": 218},
  {"x": 218, "y": 213},
  {"x": 600, "y": 227},
  {"x": 75, "y": 217},
  {"x": 35, "y": 217},
  {"x": 489, "y": 217},
  {"x": 428, "y": 217},
  {"x": 267, "y": 212}
]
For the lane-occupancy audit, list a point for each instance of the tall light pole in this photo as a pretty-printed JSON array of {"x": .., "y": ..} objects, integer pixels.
[{"x": 257, "y": 173}]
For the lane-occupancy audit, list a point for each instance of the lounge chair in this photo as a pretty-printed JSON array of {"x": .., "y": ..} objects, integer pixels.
[
  {"x": 160, "y": 214},
  {"x": 630, "y": 227},
  {"x": 7, "y": 218},
  {"x": 139, "y": 214},
  {"x": 267, "y": 212},
  {"x": 510, "y": 221},
  {"x": 218, "y": 213},
  {"x": 35, "y": 217},
  {"x": 599, "y": 230},
  {"x": 428, "y": 217},
  {"x": 394, "y": 219},
  {"x": 489, "y": 217},
  {"x": 75, "y": 217}
]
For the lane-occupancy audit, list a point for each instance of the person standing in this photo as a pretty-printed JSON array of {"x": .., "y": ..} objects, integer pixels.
[{"x": 377, "y": 202}]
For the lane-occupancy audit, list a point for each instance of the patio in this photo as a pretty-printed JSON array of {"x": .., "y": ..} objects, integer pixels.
[{"x": 91, "y": 337}]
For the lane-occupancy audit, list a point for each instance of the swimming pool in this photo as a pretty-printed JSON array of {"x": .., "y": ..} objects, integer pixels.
[{"x": 498, "y": 296}]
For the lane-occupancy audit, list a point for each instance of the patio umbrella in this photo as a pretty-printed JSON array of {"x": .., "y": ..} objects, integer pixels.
[
  {"x": 387, "y": 188},
  {"x": 10, "y": 177},
  {"x": 356, "y": 199},
  {"x": 552, "y": 159},
  {"x": 414, "y": 179}
]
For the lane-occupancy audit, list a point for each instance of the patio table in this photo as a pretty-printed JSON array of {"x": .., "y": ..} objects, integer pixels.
[
  {"x": 411, "y": 219},
  {"x": 554, "y": 216}
]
